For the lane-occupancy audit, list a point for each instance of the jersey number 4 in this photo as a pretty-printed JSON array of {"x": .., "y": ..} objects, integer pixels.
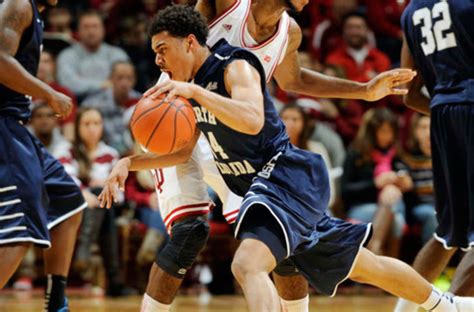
[{"x": 435, "y": 35}]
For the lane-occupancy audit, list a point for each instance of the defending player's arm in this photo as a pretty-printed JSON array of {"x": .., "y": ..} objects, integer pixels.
[
  {"x": 15, "y": 18},
  {"x": 291, "y": 77},
  {"x": 415, "y": 99},
  {"x": 242, "y": 112},
  {"x": 146, "y": 161}
]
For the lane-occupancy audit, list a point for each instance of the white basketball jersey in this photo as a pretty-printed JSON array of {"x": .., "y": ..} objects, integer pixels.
[{"x": 232, "y": 26}]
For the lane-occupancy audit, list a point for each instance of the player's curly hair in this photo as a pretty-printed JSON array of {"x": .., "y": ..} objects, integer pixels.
[{"x": 180, "y": 21}]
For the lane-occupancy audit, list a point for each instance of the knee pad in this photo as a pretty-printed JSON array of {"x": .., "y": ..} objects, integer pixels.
[{"x": 186, "y": 241}]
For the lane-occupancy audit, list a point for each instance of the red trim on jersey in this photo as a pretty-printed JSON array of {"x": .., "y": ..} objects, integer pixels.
[
  {"x": 185, "y": 214},
  {"x": 159, "y": 179},
  {"x": 198, "y": 205},
  {"x": 226, "y": 12},
  {"x": 232, "y": 220}
]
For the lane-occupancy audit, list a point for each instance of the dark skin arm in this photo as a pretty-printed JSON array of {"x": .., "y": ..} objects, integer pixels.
[
  {"x": 291, "y": 77},
  {"x": 15, "y": 17},
  {"x": 414, "y": 99}
]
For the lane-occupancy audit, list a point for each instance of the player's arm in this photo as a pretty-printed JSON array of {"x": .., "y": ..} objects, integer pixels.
[
  {"x": 415, "y": 99},
  {"x": 146, "y": 161},
  {"x": 291, "y": 77},
  {"x": 15, "y": 18},
  {"x": 243, "y": 111}
]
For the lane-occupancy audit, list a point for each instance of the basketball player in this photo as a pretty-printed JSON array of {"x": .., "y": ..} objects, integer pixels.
[
  {"x": 39, "y": 203},
  {"x": 439, "y": 42},
  {"x": 265, "y": 28},
  {"x": 285, "y": 189}
]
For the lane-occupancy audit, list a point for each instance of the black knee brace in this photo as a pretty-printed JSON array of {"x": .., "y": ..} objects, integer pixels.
[{"x": 187, "y": 239}]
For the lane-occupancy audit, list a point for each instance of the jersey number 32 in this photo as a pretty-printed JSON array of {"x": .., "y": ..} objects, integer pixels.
[{"x": 436, "y": 36}]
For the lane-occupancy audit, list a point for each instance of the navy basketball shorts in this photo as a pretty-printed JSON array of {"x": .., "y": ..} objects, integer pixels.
[
  {"x": 36, "y": 193},
  {"x": 452, "y": 144},
  {"x": 285, "y": 209}
]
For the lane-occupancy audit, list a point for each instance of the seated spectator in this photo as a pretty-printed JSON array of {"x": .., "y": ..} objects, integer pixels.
[
  {"x": 59, "y": 20},
  {"x": 355, "y": 56},
  {"x": 47, "y": 73},
  {"x": 384, "y": 18},
  {"x": 89, "y": 162},
  {"x": 420, "y": 202},
  {"x": 44, "y": 125},
  {"x": 299, "y": 130},
  {"x": 374, "y": 179},
  {"x": 113, "y": 102},
  {"x": 85, "y": 66}
]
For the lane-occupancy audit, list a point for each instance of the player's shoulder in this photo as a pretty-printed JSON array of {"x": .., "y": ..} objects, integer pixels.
[
  {"x": 20, "y": 12},
  {"x": 295, "y": 35}
]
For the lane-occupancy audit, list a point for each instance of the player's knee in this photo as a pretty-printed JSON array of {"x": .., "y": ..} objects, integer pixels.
[
  {"x": 244, "y": 264},
  {"x": 188, "y": 238}
]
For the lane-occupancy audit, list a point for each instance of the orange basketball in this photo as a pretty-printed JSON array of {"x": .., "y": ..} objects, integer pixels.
[{"x": 163, "y": 127}]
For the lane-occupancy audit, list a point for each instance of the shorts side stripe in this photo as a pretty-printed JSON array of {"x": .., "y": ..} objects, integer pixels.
[
  {"x": 12, "y": 216},
  {"x": 10, "y": 202},
  {"x": 68, "y": 215},
  {"x": 13, "y": 229},
  {"x": 25, "y": 239},
  {"x": 8, "y": 188}
]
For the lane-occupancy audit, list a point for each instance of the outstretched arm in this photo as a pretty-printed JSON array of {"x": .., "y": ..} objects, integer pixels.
[
  {"x": 291, "y": 77},
  {"x": 414, "y": 99}
]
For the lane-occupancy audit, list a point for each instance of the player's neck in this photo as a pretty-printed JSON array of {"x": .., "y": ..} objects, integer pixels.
[
  {"x": 267, "y": 13},
  {"x": 201, "y": 56}
]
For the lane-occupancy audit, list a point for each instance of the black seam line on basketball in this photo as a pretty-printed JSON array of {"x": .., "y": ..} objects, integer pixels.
[
  {"x": 147, "y": 111},
  {"x": 174, "y": 131},
  {"x": 187, "y": 119},
  {"x": 157, "y": 125}
]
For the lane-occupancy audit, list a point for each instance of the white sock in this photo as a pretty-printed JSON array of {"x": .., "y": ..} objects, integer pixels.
[
  {"x": 439, "y": 302},
  {"x": 405, "y": 306},
  {"x": 300, "y": 305},
  {"x": 151, "y": 305},
  {"x": 464, "y": 303}
]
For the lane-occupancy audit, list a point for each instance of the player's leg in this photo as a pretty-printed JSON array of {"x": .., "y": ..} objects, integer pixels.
[
  {"x": 66, "y": 205},
  {"x": 463, "y": 281},
  {"x": 252, "y": 262},
  {"x": 399, "y": 279},
  {"x": 293, "y": 292},
  {"x": 11, "y": 255}
]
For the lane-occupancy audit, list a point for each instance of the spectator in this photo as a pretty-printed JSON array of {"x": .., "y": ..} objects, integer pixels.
[
  {"x": 299, "y": 130},
  {"x": 85, "y": 66},
  {"x": 89, "y": 162},
  {"x": 59, "y": 20},
  {"x": 384, "y": 18},
  {"x": 44, "y": 125},
  {"x": 47, "y": 73},
  {"x": 374, "y": 179},
  {"x": 113, "y": 102},
  {"x": 420, "y": 202},
  {"x": 355, "y": 56}
]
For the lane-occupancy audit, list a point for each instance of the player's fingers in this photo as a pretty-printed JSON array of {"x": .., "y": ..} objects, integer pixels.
[
  {"x": 151, "y": 90},
  {"x": 121, "y": 183},
  {"x": 396, "y": 91},
  {"x": 161, "y": 90}
]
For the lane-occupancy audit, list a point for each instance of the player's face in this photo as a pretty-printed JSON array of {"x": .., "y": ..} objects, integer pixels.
[
  {"x": 90, "y": 128},
  {"x": 43, "y": 121},
  {"x": 173, "y": 56},
  {"x": 355, "y": 32},
  {"x": 296, "y": 5},
  {"x": 384, "y": 136},
  {"x": 293, "y": 122},
  {"x": 422, "y": 135}
]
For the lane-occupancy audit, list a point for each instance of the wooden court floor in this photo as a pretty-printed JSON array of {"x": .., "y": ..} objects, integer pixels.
[{"x": 203, "y": 303}]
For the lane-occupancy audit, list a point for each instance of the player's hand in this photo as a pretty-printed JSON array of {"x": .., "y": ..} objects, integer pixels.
[
  {"x": 60, "y": 103},
  {"x": 388, "y": 83},
  {"x": 172, "y": 88},
  {"x": 91, "y": 200},
  {"x": 115, "y": 181}
]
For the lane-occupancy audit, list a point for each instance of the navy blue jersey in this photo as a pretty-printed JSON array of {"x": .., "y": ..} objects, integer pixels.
[
  {"x": 239, "y": 157},
  {"x": 440, "y": 36},
  {"x": 13, "y": 103}
]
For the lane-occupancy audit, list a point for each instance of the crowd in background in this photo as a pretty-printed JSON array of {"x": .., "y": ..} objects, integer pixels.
[{"x": 378, "y": 154}]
